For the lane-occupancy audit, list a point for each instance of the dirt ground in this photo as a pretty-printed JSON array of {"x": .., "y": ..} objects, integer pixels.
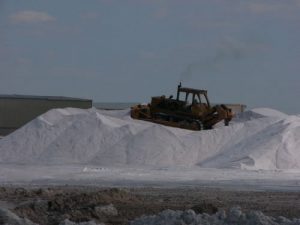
[{"x": 116, "y": 206}]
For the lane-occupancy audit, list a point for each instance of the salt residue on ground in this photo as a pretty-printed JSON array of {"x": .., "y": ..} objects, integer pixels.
[
  {"x": 234, "y": 216},
  {"x": 257, "y": 139},
  {"x": 171, "y": 217},
  {"x": 9, "y": 218}
]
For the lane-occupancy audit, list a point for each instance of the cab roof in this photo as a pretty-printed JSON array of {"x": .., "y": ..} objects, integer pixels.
[{"x": 192, "y": 90}]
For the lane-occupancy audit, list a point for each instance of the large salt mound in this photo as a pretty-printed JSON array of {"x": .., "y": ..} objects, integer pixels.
[
  {"x": 275, "y": 146},
  {"x": 256, "y": 139}
]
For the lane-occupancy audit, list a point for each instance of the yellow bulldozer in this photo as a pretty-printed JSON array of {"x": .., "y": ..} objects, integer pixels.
[{"x": 190, "y": 110}]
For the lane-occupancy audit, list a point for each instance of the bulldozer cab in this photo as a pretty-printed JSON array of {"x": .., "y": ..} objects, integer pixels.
[{"x": 192, "y": 96}]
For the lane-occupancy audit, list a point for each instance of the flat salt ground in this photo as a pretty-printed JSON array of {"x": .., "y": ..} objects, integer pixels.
[
  {"x": 78, "y": 175},
  {"x": 260, "y": 147}
]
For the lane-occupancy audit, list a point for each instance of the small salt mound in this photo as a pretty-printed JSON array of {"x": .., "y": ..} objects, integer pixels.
[
  {"x": 267, "y": 112},
  {"x": 54, "y": 116},
  {"x": 275, "y": 146},
  {"x": 124, "y": 113},
  {"x": 258, "y": 113}
]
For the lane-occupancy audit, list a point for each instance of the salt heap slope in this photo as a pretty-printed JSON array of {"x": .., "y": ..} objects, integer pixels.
[{"x": 257, "y": 139}]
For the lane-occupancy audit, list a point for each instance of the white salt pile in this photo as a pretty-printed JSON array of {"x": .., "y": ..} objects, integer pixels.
[
  {"x": 234, "y": 216},
  {"x": 257, "y": 139}
]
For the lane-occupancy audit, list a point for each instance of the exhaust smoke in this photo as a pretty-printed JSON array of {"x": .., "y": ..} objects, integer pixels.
[{"x": 227, "y": 51}]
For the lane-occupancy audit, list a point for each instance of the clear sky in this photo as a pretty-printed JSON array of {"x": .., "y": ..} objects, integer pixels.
[{"x": 129, "y": 50}]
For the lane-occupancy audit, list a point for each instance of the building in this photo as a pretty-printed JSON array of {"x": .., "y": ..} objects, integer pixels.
[
  {"x": 236, "y": 108},
  {"x": 114, "y": 105},
  {"x": 17, "y": 110}
]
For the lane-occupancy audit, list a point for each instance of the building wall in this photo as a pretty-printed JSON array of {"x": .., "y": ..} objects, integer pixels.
[
  {"x": 15, "y": 112},
  {"x": 236, "y": 108}
]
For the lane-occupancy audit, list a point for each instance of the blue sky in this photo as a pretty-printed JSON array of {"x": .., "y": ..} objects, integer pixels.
[{"x": 129, "y": 50}]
